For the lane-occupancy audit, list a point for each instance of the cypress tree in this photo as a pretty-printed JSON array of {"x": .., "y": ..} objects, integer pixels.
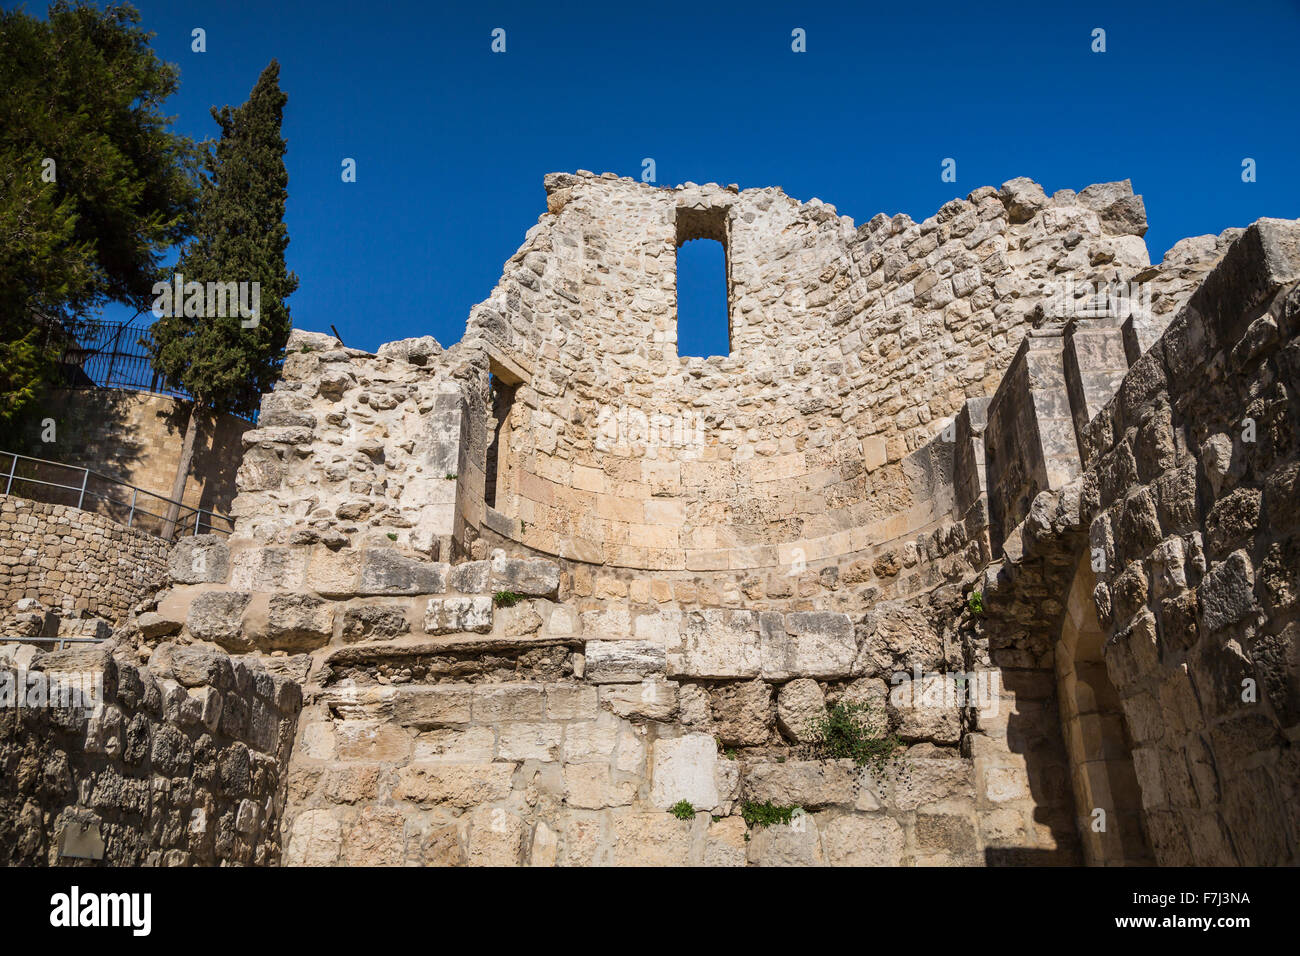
[{"x": 227, "y": 362}]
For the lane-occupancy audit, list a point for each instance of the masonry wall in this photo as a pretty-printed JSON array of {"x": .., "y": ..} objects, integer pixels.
[
  {"x": 72, "y": 560},
  {"x": 850, "y": 349},
  {"x": 1193, "y": 487},
  {"x": 506, "y": 685},
  {"x": 136, "y": 437},
  {"x": 182, "y": 762}
]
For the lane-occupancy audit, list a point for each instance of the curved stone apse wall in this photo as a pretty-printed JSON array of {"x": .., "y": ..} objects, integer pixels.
[{"x": 851, "y": 348}]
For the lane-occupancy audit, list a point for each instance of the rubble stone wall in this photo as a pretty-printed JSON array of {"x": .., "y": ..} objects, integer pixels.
[
  {"x": 850, "y": 349},
  {"x": 176, "y": 763},
  {"x": 71, "y": 560}
]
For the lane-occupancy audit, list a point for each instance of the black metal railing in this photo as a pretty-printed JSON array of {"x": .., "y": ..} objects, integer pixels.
[
  {"x": 112, "y": 355},
  {"x": 53, "y": 482}
]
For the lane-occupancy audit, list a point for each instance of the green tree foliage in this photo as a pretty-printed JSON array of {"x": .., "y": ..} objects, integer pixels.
[
  {"x": 227, "y": 362},
  {"x": 94, "y": 185}
]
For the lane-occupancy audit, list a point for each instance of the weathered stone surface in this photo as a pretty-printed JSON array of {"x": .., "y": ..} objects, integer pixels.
[
  {"x": 719, "y": 644},
  {"x": 456, "y": 785},
  {"x": 623, "y": 662},
  {"x": 811, "y": 784},
  {"x": 684, "y": 770},
  {"x": 927, "y": 709},
  {"x": 531, "y": 577},
  {"x": 374, "y": 622},
  {"x": 453, "y": 615},
  {"x": 384, "y": 571},
  {"x": 215, "y": 616},
  {"x": 198, "y": 559},
  {"x": 817, "y": 644},
  {"x": 743, "y": 713},
  {"x": 298, "y": 622},
  {"x": 800, "y": 705},
  {"x": 856, "y": 840}
]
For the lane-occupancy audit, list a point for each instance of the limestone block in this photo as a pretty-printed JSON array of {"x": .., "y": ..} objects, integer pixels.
[
  {"x": 806, "y": 783},
  {"x": 896, "y": 636},
  {"x": 375, "y": 622},
  {"x": 496, "y": 837},
  {"x": 743, "y": 713},
  {"x": 215, "y": 616},
  {"x": 642, "y": 838},
  {"x": 807, "y": 644},
  {"x": 266, "y": 569},
  {"x": 491, "y": 704},
  {"x": 528, "y": 740},
  {"x": 333, "y": 573},
  {"x": 455, "y": 785},
  {"x": 314, "y": 839},
  {"x": 532, "y": 577},
  {"x": 472, "y": 577},
  {"x": 592, "y": 786},
  {"x": 192, "y": 665},
  {"x": 854, "y": 839},
  {"x": 717, "y": 644},
  {"x": 684, "y": 770},
  {"x": 199, "y": 559},
  {"x": 794, "y": 844},
  {"x": 298, "y": 622},
  {"x": 649, "y": 700},
  {"x": 725, "y": 842},
  {"x": 799, "y": 706},
  {"x": 454, "y": 615},
  {"x": 571, "y": 701},
  {"x": 429, "y": 706},
  {"x": 927, "y": 709},
  {"x": 623, "y": 662},
  {"x": 385, "y": 571}
]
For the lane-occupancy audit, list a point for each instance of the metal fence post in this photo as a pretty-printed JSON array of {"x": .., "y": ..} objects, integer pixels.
[
  {"x": 197, "y": 512},
  {"x": 130, "y": 519},
  {"x": 85, "y": 477},
  {"x": 13, "y": 467}
]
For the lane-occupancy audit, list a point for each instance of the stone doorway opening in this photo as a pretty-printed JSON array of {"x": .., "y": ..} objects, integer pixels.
[{"x": 1108, "y": 801}]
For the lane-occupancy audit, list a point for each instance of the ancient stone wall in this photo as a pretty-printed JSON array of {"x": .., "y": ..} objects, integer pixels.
[
  {"x": 72, "y": 560},
  {"x": 176, "y": 763},
  {"x": 538, "y": 638},
  {"x": 1192, "y": 485},
  {"x": 850, "y": 347},
  {"x": 136, "y": 437}
]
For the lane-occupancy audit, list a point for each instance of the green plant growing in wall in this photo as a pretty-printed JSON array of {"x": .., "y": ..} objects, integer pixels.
[
  {"x": 766, "y": 814},
  {"x": 450, "y": 476},
  {"x": 392, "y": 536},
  {"x": 506, "y": 599},
  {"x": 848, "y": 730},
  {"x": 976, "y": 603},
  {"x": 682, "y": 810}
]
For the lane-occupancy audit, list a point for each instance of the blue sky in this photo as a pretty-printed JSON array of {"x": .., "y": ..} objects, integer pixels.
[{"x": 451, "y": 140}]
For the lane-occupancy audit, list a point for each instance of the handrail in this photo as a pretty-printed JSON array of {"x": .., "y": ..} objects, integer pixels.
[{"x": 83, "y": 491}]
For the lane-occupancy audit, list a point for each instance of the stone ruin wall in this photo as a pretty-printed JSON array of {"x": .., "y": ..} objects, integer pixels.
[
  {"x": 1192, "y": 688},
  {"x": 684, "y": 612},
  {"x": 75, "y": 562},
  {"x": 180, "y": 762}
]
